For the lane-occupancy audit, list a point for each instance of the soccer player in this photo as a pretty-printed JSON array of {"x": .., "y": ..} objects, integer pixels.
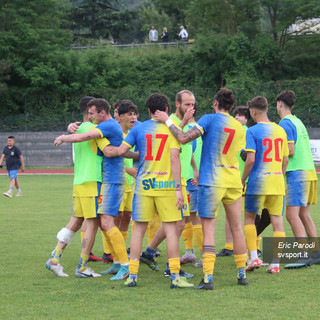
[
  {"x": 192, "y": 190},
  {"x": 219, "y": 179},
  {"x": 266, "y": 163},
  {"x": 113, "y": 179},
  {"x": 14, "y": 160},
  {"x": 86, "y": 189},
  {"x": 301, "y": 179},
  {"x": 241, "y": 114},
  {"x": 158, "y": 187}
]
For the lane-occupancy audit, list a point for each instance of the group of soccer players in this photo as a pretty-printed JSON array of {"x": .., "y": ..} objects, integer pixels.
[{"x": 168, "y": 166}]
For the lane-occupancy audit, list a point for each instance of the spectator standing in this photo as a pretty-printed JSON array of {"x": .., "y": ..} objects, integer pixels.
[
  {"x": 183, "y": 34},
  {"x": 165, "y": 35},
  {"x": 153, "y": 34}
]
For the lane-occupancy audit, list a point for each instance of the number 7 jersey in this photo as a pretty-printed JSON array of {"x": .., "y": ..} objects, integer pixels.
[
  {"x": 223, "y": 137},
  {"x": 269, "y": 142}
]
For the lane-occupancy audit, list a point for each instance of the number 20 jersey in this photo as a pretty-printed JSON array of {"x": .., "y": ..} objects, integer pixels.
[
  {"x": 223, "y": 137},
  {"x": 154, "y": 141},
  {"x": 269, "y": 142}
]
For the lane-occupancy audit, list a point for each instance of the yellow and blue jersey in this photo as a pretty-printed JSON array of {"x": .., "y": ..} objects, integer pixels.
[
  {"x": 154, "y": 141},
  {"x": 112, "y": 168},
  {"x": 269, "y": 143},
  {"x": 222, "y": 137}
]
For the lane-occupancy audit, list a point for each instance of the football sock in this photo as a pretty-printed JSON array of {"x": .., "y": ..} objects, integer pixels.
[
  {"x": 198, "y": 234},
  {"x": 10, "y": 190},
  {"x": 134, "y": 266},
  {"x": 241, "y": 260},
  {"x": 56, "y": 255},
  {"x": 228, "y": 246},
  {"x": 207, "y": 278},
  {"x": 106, "y": 248},
  {"x": 125, "y": 235},
  {"x": 208, "y": 260},
  {"x": 118, "y": 244},
  {"x": 83, "y": 262},
  {"x": 174, "y": 266},
  {"x": 187, "y": 236},
  {"x": 109, "y": 245},
  {"x": 258, "y": 243},
  {"x": 251, "y": 239}
]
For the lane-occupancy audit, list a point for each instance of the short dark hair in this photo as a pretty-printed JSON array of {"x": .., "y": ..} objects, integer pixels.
[
  {"x": 126, "y": 106},
  {"x": 83, "y": 103},
  {"x": 288, "y": 97},
  {"x": 157, "y": 101},
  {"x": 259, "y": 103},
  {"x": 116, "y": 104},
  {"x": 100, "y": 104},
  {"x": 242, "y": 111},
  {"x": 11, "y": 137},
  {"x": 225, "y": 99}
]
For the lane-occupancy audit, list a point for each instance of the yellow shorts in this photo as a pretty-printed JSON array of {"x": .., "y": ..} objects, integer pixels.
[
  {"x": 185, "y": 209},
  {"x": 274, "y": 204},
  {"x": 144, "y": 208},
  {"x": 209, "y": 199},
  {"x": 85, "y": 207},
  {"x": 126, "y": 203}
]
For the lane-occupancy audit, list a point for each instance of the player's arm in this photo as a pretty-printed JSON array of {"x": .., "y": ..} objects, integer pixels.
[
  {"x": 285, "y": 162},
  {"x": 132, "y": 172},
  {"x": 73, "y": 127},
  {"x": 22, "y": 162},
  {"x": 77, "y": 137},
  {"x": 251, "y": 158},
  {"x": 176, "y": 173},
  {"x": 183, "y": 137},
  {"x": 195, "y": 179},
  {"x": 291, "y": 149},
  {"x": 1, "y": 159}
]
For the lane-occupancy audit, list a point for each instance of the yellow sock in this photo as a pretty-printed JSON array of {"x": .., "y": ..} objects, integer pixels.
[
  {"x": 125, "y": 235},
  {"x": 228, "y": 246},
  {"x": 153, "y": 226},
  {"x": 118, "y": 244},
  {"x": 258, "y": 243},
  {"x": 198, "y": 234},
  {"x": 187, "y": 236},
  {"x": 276, "y": 249},
  {"x": 134, "y": 266},
  {"x": 241, "y": 260},
  {"x": 83, "y": 262},
  {"x": 82, "y": 235},
  {"x": 106, "y": 248},
  {"x": 56, "y": 255},
  {"x": 250, "y": 232},
  {"x": 174, "y": 265},
  {"x": 110, "y": 247},
  {"x": 208, "y": 260}
]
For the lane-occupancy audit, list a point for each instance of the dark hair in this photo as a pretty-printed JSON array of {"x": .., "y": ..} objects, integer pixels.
[
  {"x": 259, "y": 103},
  {"x": 116, "y": 104},
  {"x": 288, "y": 97},
  {"x": 83, "y": 103},
  {"x": 157, "y": 101},
  {"x": 11, "y": 137},
  {"x": 126, "y": 106},
  {"x": 100, "y": 104},
  {"x": 181, "y": 93},
  {"x": 225, "y": 99},
  {"x": 242, "y": 111}
]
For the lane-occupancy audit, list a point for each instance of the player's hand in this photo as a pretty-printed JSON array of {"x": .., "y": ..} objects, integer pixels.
[
  {"x": 180, "y": 200},
  {"x": 161, "y": 116},
  {"x": 188, "y": 115},
  {"x": 58, "y": 141},
  {"x": 22, "y": 169},
  {"x": 132, "y": 172},
  {"x": 73, "y": 127}
]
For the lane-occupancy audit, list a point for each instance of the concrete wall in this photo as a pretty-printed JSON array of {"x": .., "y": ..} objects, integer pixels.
[{"x": 38, "y": 150}]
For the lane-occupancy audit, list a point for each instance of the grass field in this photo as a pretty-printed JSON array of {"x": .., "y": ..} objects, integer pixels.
[{"x": 28, "y": 291}]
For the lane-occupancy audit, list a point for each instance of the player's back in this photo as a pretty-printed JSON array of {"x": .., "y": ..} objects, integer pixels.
[
  {"x": 154, "y": 141},
  {"x": 222, "y": 139},
  {"x": 269, "y": 142}
]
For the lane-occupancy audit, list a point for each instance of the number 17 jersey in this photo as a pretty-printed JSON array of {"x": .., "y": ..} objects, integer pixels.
[
  {"x": 223, "y": 138},
  {"x": 269, "y": 142}
]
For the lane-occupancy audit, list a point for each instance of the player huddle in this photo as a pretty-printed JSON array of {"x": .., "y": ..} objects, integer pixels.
[{"x": 197, "y": 167}]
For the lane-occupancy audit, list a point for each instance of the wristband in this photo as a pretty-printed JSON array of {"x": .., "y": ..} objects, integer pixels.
[{"x": 169, "y": 123}]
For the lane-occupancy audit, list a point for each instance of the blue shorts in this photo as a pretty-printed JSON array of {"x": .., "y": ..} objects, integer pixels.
[
  {"x": 301, "y": 193},
  {"x": 193, "y": 200},
  {"x": 110, "y": 198},
  {"x": 13, "y": 174}
]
